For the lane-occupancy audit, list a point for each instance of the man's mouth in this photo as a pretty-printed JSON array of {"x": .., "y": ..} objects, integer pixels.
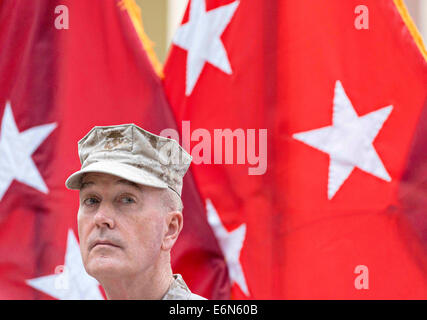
[{"x": 104, "y": 243}]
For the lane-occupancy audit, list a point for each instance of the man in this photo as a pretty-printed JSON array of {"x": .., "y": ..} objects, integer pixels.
[{"x": 130, "y": 212}]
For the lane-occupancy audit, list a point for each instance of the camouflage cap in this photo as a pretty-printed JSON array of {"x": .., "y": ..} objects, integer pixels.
[{"x": 134, "y": 154}]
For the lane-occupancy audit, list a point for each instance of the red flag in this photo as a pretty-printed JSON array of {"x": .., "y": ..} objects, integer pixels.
[
  {"x": 65, "y": 67},
  {"x": 328, "y": 98}
]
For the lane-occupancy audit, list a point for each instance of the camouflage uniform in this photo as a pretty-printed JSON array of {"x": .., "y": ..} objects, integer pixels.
[
  {"x": 132, "y": 153},
  {"x": 179, "y": 291}
]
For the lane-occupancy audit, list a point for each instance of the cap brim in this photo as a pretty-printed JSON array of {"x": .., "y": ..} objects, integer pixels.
[{"x": 128, "y": 172}]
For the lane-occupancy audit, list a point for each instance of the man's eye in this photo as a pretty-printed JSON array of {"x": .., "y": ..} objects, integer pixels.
[
  {"x": 127, "y": 200},
  {"x": 90, "y": 201}
]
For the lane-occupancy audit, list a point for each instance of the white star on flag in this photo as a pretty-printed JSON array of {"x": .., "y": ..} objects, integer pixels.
[
  {"x": 16, "y": 149},
  {"x": 348, "y": 141},
  {"x": 72, "y": 283},
  {"x": 231, "y": 244},
  {"x": 201, "y": 37}
]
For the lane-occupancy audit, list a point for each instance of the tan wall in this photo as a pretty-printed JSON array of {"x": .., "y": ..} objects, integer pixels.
[
  {"x": 154, "y": 17},
  {"x": 418, "y": 11}
]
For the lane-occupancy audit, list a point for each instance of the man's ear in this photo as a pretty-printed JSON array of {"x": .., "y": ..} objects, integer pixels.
[{"x": 174, "y": 223}]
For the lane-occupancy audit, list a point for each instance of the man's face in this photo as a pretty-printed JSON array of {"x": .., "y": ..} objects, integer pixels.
[{"x": 121, "y": 225}]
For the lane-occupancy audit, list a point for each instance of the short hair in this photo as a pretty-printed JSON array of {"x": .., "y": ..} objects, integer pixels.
[{"x": 171, "y": 201}]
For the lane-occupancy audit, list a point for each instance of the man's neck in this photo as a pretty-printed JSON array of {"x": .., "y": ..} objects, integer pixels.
[{"x": 150, "y": 285}]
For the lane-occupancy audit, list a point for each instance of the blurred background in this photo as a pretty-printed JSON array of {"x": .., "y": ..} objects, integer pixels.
[{"x": 162, "y": 17}]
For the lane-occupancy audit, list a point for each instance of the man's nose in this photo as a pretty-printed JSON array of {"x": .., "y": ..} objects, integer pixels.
[{"x": 104, "y": 217}]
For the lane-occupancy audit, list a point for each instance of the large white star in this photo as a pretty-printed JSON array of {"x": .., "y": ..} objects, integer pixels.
[
  {"x": 231, "y": 244},
  {"x": 349, "y": 141},
  {"x": 70, "y": 282},
  {"x": 201, "y": 37},
  {"x": 16, "y": 149}
]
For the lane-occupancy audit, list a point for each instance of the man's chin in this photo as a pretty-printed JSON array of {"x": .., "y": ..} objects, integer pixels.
[{"x": 105, "y": 266}]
